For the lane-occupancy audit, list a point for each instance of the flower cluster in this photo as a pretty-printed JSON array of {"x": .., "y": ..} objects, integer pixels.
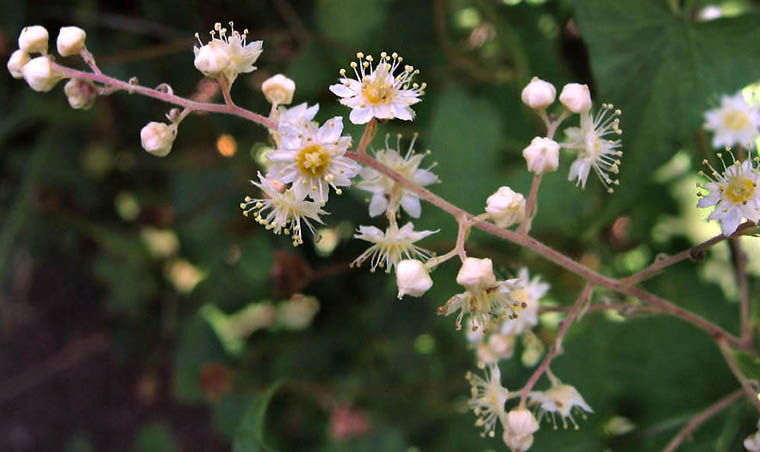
[{"x": 227, "y": 54}]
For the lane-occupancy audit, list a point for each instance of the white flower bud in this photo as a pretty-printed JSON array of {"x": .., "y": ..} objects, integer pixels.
[
  {"x": 40, "y": 75},
  {"x": 70, "y": 41},
  {"x": 576, "y": 97},
  {"x": 518, "y": 443},
  {"x": 506, "y": 207},
  {"x": 33, "y": 39},
  {"x": 752, "y": 442},
  {"x": 278, "y": 89},
  {"x": 81, "y": 93},
  {"x": 16, "y": 63},
  {"x": 476, "y": 274},
  {"x": 157, "y": 138},
  {"x": 542, "y": 155},
  {"x": 519, "y": 429},
  {"x": 212, "y": 59},
  {"x": 298, "y": 312},
  {"x": 538, "y": 94},
  {"x": 412, "y": 278}
]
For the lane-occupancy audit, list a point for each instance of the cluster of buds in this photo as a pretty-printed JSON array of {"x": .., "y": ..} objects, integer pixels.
[{"x": 40, "y": 72}]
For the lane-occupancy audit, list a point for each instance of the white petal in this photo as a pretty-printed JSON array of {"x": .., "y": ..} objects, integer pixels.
[
  {"x": 377, "y": 204},
  {"x": 341, "y": 90},
  {"x": 361, "y": 115},
  {"x": 402, "y": 112},
  {"x": 331, "y": 130},
  {"x": 411, "y": 205},
  {"x": 730, "y": 222}
]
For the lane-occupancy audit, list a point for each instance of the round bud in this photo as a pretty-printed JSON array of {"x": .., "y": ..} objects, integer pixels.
[
  {"x": 70, "y": 41},
  {"x": 212, "y": 59},
  {"x": 157, "y": 138},
  {"x": 278, "y": 89},
  {"x": 521, "y": 422},
  {"x": 297, "y": 313},
  {"x": 538, "y": 94},
  {"x": 33, "y": 39},
  {"x": 476, "y": 274},
  {"x": 506, "y": 207},
  {"x": 80, "y": 93},
  {"x": 576, "y": 97},
  {"x": 39, "y": 74},
  {"x": 412, "y": 278},
  {"x": 542, "y": 155},
  {"x": 502, "y": 345},
  {"x": 16, "y": 63}
]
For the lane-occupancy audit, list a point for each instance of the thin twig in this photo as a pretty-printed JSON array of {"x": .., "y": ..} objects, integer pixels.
[
  {"x": 369, "y": 133},
  {"x": 701, "y": 418},
  {"x": 746, "y": 384},
  {"x": 531, "y": 206},
  {"x": 740, "y": 263}
]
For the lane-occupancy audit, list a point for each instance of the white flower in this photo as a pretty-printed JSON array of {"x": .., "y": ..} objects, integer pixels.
[
  {"x": 157, "y": 138},
  {"x": 483, "y": 301},
  {"x": 70, "y": 41},
  {"x": 33, "y": 39},
  {"x": 576, "y": 97},
  {"x": 313, "y": 159},
  {"x": 377, "y": 92},
  {"x": 734, "y": 122},
  {"x": 285, "y": 210},
  {"x": 752, "y": 442},
  {"x": 80, "y": 93},
  {"x": 595, "y": 149},
  {"x": 16, "y": 63},
  {"x": 278, "y": 89},
  {"x": 538, "y": 93},
  {"x": 519, "y": 428},
  {"x": 391, "y": 246},
  {"x": 299, "y": 116},
  {"x": 734, "y": 194},
  {"x": 226, "y": 55},
  {"x": 40, "y": 74},
  {"x": 560, "y": 399},
  {"x": 412, "y": 278},
  {"x": 542, "y": 155},
  {"x": 476, "y": 274},
  {"x": 528, "y": 293},
  {"x": 384, "y": 189},
  {"x": 506, "y": 207},
  {"x": 487, "y": 399}
]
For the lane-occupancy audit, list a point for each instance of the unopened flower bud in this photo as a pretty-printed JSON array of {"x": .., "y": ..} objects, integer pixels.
[
  {"x": 16, "y": 63},
  {"x": 40, "y": 75},
  {"x": 576, "y": 97},
  {"x": 157, "y": 138},
  {"x": 506, "y": 207},
  {"x": 81, "y": 93},
  {"x": 70, "y": 41},
  {"x": 278, "y": 89},
  {"x": 33, "y": 39},
  {"x": 542, "y": 155},
  {"x": 212, "y": 59},
  {"x": 412, "y": 278},
  {"x": 519, "y": 429},
  {"x": 476, "y": 274},
  {"x": 538, "y": 93}
]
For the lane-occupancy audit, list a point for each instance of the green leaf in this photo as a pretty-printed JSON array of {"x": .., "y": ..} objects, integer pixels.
[
  {"x": 749, "y": 365},
  {"x": 198, "y": 345},
  {"x": 250, "y": 432},
  {"x": 154, "y": 438}
]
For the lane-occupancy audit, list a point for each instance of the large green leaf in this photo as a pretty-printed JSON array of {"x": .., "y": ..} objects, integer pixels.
[{"x": 250, "y": 432}]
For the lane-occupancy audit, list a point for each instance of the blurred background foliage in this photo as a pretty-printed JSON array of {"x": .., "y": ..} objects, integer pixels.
[{"x": 142, "y": 312}]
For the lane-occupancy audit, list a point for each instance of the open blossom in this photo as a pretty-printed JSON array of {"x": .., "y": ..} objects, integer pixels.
[
  {"x": 487, "y": 399},
  {"x": 282, "y": 211},
  {"x": 313, "y": 159},
  {"x": 301, "y": 117},
  {"x": 595, "y": 147},
  {"x": 226, "y": 55},
  {"x": 560, "y": 399},
  {"x": 734, "y": 194},
  {"x": 386, "y": 193},
  {"x": 377, "y": 92},
  {"x": 527, "y": 292},
  {"x": 734, "y": 122},
  {"x": 390, "y": 247}
]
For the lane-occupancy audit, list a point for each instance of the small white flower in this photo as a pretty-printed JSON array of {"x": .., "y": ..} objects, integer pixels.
[
  {"x": 390, "y": 247},
  {"x": 487, "y": 399},
  {"x": 16, "y": 63},
  {"x": 595, "y": 149},
  {"x": 40, "y": 74},
  {"x": 384, "y": 189},
  {"x": 560, "y": 399},
  {"x": 377, "y": 92},
  {"x": 538, "y": 94},
  {"x": 299, "y": 116},
  {"x": 576, "y": 97},
  {"x": 70, "y": 41},
  {"x": 278, "y": 89},
  {"x": 528, "y": 293},
  {"x": 226, "y": 55},
  {"x": 734, "y": 122},
  {"x": 282, "y": 212},
  {"x": 313, "y": 159},
  {"x": 506, "y": 207},
  {"x": 412, "y": 278},
  {"x": 542, "y": 155},
  {"x": 519, "y": 427},
  {"x": 80, "y": 93},
  {"x": 33, "y": 39},
  {"x": 476, "y": 275},
  {"x": 752, "y": 442},
  {"x": 734, "y": 194},
  {"x": 157, "y": 138}
]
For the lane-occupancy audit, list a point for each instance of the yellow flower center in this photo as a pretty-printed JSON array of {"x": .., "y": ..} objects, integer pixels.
[
  {"x": 739, "y": 189},
  {"x": 313, "y": 160},
  {"x": 377, "y": 92},
  {"x": 735, "y": 120}
]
